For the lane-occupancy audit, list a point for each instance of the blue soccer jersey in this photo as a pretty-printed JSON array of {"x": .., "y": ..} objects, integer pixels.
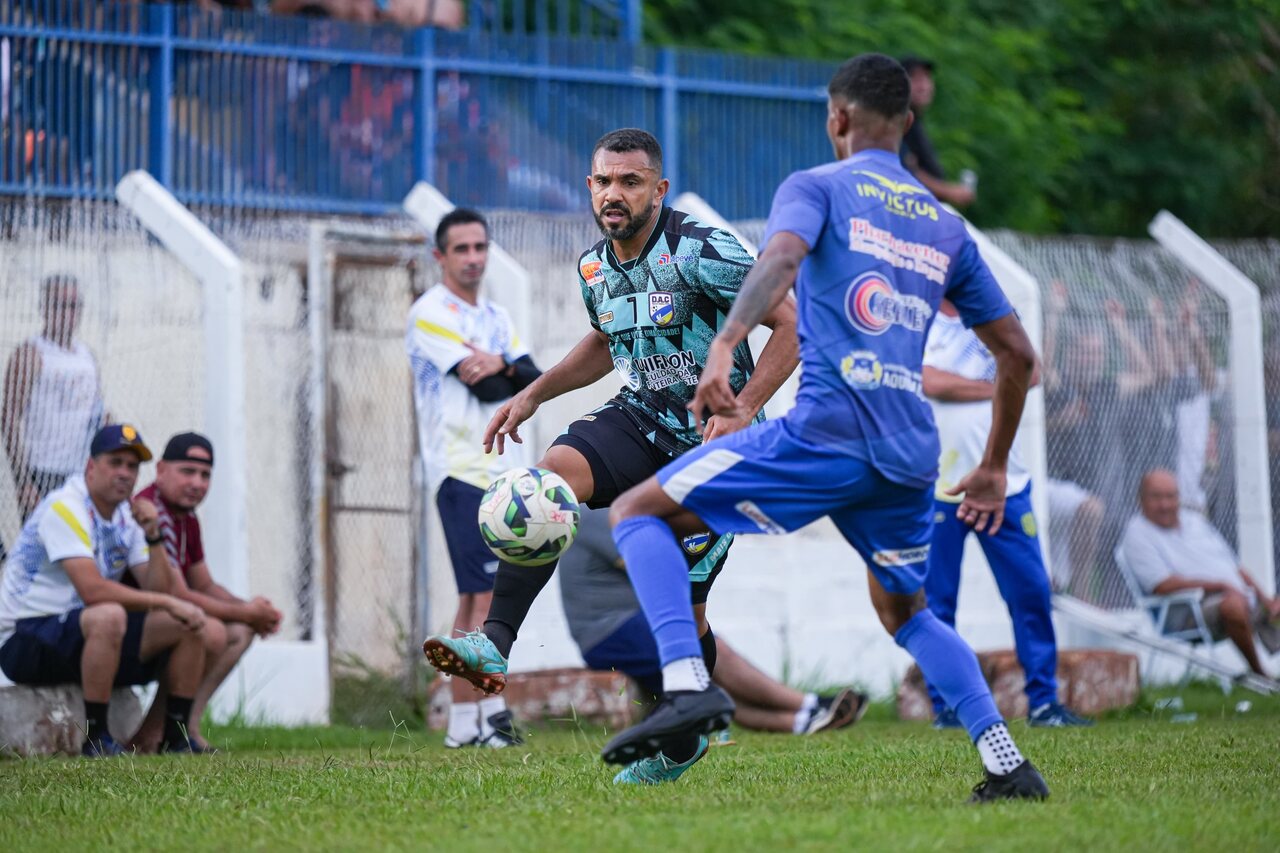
[{"x": 883, "y": 254}]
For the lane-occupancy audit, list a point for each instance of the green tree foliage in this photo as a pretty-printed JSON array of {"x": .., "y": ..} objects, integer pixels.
[{"x": 1082, "y": 116}]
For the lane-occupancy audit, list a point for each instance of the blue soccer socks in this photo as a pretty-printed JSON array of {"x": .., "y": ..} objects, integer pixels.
[
  {"x": 660, "y": 575},
  {"x": 950, "y": 665}
]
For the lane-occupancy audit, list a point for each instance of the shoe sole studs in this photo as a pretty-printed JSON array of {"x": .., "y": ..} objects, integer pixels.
[{"x": 443, "y": 659}]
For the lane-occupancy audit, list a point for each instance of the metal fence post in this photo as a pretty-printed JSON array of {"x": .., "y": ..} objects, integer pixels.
[
  {"x": 632, "y": 21},
  {"x": 670, "y": 132},
  {"x": 161, "y": 131},
  {"x": 424, "y": 108}
]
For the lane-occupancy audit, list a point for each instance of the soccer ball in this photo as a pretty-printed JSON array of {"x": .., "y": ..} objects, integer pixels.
[{"x": 528, "y": 516}]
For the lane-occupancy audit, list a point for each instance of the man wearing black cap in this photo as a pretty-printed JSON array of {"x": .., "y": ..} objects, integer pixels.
[
  {"x": 917, "y": 149},
  {"x": 65, "y": 617},
  {"x": 182, "y": 481}
]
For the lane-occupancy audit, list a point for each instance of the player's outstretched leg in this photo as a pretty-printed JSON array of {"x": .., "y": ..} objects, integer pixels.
[
  {"x": 659, "y": 768},
  {"x": 677, "y": 755},
  {"x": 471, "y": 656},
  {"x": 480, "y": 656},
  {"x": 950, "y": 665},
  {"x": 690, "y": 703}
]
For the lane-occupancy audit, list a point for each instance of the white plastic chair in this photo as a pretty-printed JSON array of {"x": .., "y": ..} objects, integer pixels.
[{"x": 1162, "y": 609}]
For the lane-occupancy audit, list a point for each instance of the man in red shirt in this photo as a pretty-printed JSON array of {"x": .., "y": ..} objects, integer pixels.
[{"x": 182, "y": 481}]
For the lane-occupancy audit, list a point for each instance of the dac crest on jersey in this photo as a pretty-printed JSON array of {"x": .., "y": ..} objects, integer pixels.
[{"x": 662, "y": 309}]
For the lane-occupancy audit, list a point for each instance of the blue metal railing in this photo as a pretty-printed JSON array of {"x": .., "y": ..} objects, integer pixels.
[{"x": 299, "y": 113}]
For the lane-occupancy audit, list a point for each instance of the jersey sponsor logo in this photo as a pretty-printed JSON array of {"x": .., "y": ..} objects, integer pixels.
[
  {"x": 901, "y": 556},
  {"x": 862, "y": 370},
  {"x": 697, "y": 543},
  {"x": 622, "y": 364},
  {"x": 606, "y": 317},
  {"x": 890, "y": 184},
  {"x": 662, "y": 309},
  {"x": 664, "y": 259},
  {"x": 901, "y": 378},
  {"x": 646, "y": 333},
  {"x": 592, "y": 272},
  {"x": 662, "y": 370},
  {"x": 881, "y": 244},
  {"x": 897, "y": 198},
  {"x": 758, "y": 516},
  {"x": 873, "y": 305}
]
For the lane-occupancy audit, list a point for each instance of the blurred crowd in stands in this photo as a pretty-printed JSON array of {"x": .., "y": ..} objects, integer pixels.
[{"x": 448, "y": 14}]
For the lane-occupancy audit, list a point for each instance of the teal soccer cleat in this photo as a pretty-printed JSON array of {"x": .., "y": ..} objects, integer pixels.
[
  {"x": 658, "y": 769},
  {"x": 471, "y": 656}
]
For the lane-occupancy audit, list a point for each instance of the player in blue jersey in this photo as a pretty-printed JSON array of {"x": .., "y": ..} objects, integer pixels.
[
  {"x": 871, "y": 254},
  {"x": 657, "y": 289}
]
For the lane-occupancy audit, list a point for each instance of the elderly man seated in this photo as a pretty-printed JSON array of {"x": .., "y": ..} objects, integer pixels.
[{"x": 1169, "y": 548}]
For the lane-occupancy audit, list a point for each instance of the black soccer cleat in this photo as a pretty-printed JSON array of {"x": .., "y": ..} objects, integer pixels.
[
  {"x": 1023, "y": 782},
  {"x": 687, "y": 712}
]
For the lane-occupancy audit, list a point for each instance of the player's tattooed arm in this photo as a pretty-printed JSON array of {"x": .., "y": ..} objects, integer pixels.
[
  {"x": 765, "y": 287},
  {"x": 762, "y": 296},
  {"x": 778, "y": 360}
]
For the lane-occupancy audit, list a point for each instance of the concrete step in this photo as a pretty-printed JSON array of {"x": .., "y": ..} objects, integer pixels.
[
  {"x": 50, "y": 720},
  {"x": 599, "y": 698},
  {"x": 1090, "y": 681}
]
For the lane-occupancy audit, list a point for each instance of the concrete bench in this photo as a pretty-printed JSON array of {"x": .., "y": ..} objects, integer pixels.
[
  {"x": 50, "y": 720},
  {"x": 1090, "y": 681},
  {"x": 601, "y": 698}
]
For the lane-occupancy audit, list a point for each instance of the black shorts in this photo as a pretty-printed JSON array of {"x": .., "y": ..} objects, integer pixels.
[
  {"x": 615, "y": 441},
  {"x": 47, "y": 650},
  {"x": 474, "y": 565}
]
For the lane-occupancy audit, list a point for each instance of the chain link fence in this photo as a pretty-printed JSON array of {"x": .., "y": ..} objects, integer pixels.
[{"x": 1135, "y": 378}]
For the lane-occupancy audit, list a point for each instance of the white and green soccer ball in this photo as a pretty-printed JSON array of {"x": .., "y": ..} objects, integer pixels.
[{"x": 529, "y": 516}]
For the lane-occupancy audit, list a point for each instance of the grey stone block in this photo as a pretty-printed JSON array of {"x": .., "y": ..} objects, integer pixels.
[{"x": 49, "y": 720}]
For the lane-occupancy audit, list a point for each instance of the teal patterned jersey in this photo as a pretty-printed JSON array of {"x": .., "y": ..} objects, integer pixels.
[{"x": 661, "y": 312}]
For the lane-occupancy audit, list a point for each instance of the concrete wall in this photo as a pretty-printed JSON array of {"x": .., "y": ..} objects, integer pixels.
[{"x": 797, "y": 606}]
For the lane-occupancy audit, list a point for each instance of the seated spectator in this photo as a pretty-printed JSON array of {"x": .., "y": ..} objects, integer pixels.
[
  {"x": 606, "y": 622},
  {"x": 65, "y": 617},
  {"x": 1169, "y": 549},
  {"x": 446, "y": 14},
  {"x": 182, "y": 481}
]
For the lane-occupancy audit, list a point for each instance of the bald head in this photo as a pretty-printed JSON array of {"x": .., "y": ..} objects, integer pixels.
[{"x": 1158, "y": 497}]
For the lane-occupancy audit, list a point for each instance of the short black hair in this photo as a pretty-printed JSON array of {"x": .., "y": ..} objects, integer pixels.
[
  {"x": 630, "y": 139},
  {"x": 874, "y": 82},
  {"x": 911, "y": 62},
  {"x": 457, "y": 216}
]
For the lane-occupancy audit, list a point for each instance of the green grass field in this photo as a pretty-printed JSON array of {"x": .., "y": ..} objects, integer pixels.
[{"x": 1139, "y": 781}]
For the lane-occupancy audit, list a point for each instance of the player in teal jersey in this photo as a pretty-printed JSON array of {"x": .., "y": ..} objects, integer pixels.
[{"x": 657, "y": 290}]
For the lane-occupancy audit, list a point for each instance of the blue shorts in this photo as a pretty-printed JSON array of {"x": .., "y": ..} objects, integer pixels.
[
  {"x": 631, "y": 650},
  {"x": 765, "y": 480},
  {"x": 474, "y": 565},
  {"x": 47, "y": 650}
]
